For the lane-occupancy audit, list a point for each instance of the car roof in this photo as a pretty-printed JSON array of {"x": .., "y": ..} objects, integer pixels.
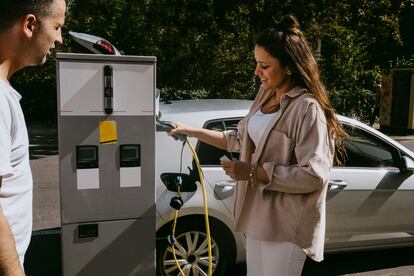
[
  {"x": 185, "y": 108},
  {"x": 204, "y": 105},
  {"x": 217, "y": 108},
  {"x": 197, "y": 112}
]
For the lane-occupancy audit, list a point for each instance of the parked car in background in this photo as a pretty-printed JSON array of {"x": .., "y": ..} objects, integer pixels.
[
  {"x": 95, "y": 44},
  {"x": 369, "y": 201}
]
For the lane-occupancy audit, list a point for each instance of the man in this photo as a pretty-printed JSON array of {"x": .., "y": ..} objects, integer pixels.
[{"x": 29, "y": 29}]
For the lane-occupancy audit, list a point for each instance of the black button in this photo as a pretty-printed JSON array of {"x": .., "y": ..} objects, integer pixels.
[{"x": 88, "y": 230}]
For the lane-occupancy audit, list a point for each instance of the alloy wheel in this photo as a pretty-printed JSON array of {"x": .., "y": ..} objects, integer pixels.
[{"x": 191, "y": 250}]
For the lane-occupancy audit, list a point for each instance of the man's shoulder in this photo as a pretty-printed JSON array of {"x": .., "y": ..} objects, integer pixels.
[
  {"x": 7, "y": 102},
  {"x": 4, "y": 94},
  {"x": 8, "y": 94},
  {"x": 4, "y": 90}
]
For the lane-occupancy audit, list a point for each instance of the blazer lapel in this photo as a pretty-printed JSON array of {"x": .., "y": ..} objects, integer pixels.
[
  {"x": 285, "y": 101},
  {"x": 248, "y": 148},
  {"x": 265, "y": 135}
]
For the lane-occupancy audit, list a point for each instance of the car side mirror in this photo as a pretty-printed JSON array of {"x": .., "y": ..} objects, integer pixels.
[
  {"x": 157, "y": 103},
  {"x": 407, "y": 164}
]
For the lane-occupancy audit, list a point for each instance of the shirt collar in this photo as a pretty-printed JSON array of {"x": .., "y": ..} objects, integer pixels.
[{"x": 296, "y": 91}]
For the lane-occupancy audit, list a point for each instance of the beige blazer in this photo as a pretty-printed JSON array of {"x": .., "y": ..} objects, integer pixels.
[{"x": 297, "y": 153}]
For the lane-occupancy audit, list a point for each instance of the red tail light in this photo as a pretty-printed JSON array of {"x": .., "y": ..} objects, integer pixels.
[{"x": 105, "y": 47}]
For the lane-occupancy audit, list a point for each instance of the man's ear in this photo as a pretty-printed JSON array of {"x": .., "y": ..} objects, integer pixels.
[{"x": 30, "y": 23}]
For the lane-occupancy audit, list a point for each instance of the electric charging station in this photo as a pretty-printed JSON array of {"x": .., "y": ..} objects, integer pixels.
[{"x": 106, "y": 110}]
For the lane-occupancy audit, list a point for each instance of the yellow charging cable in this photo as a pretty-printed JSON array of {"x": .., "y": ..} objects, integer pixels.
[
  {"x": 175, "y": 221},
  {"x": 210, "y": 257},
  {"x": 173, "y": 247}
]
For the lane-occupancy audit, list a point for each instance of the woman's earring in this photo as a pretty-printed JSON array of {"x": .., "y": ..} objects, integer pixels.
[{"x": 289, "y": 72}]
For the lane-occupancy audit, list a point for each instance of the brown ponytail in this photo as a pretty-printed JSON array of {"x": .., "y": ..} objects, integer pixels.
[{"x": 287, "y": 43}]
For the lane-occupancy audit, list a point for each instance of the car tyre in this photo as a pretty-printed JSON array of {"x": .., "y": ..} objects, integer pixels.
[{"x": 190, "y": 232}]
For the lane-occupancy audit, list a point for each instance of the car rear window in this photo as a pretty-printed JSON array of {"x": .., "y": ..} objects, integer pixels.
[{"x": 365, "y": 150}]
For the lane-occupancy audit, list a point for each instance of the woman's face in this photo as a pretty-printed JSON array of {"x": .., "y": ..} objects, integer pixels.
[{"x": 271, "y": 73}]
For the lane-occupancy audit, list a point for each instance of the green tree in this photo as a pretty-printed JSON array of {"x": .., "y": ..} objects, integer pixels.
[{"x": 204, "y": 47}]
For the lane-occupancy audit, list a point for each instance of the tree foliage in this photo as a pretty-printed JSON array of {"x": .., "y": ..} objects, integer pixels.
[{"x": 204, "y": 47}]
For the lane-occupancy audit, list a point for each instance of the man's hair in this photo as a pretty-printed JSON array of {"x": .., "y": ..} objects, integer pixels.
[{"x": 13, "y": 10}]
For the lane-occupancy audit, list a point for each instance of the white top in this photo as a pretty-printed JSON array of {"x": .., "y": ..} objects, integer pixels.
[
  {"x": 257, "y": 124},
  {"x": 17, "y": 183}
]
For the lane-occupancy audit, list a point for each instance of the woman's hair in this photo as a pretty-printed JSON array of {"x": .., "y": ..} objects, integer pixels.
[
  {"x": 287, "y": 43},
  {"x": 13, "y": 10}
]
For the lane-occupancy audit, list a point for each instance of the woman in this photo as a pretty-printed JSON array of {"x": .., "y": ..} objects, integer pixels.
[{"x": 286, "y": 145}]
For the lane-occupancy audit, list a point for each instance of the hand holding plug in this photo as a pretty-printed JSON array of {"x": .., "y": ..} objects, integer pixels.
[{"x": 172, "y": 130}]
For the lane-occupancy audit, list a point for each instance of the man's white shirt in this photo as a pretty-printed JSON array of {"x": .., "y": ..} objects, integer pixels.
[{"x": 17, "y": 184}]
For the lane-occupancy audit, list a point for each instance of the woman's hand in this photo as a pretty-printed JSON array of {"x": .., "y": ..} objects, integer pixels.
[
  {"x": 237, "y": 170},
  {"x": 179, "y": 129}
]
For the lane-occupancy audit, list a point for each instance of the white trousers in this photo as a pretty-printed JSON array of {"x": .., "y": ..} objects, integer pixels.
[{"x": 271, "y": 258}]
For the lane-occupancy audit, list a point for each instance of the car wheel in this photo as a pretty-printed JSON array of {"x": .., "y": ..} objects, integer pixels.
[{"x": 191, "y": 247}]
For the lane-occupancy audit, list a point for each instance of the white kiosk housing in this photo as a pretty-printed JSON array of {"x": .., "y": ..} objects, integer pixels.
[{"x": 106, "y": 109}]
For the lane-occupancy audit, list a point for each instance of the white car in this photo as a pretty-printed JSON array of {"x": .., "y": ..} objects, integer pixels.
[{"x": 369, "y": 202}]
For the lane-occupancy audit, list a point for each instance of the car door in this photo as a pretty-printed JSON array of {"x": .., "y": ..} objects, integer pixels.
[
  {"x": 370, "y": 200},
  {"x": 209, "y": 156}
]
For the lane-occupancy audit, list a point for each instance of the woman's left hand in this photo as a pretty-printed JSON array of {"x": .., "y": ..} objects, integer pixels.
[{"x": 237, "y": 170}]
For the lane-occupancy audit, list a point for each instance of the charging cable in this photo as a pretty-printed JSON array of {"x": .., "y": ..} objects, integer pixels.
[
  {"x": 167, "y": 127},
  {"x": 200, "y": 173}
]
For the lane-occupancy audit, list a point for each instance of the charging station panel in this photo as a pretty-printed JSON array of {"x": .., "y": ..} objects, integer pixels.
[
  {"x": 106, "y": 108},
  {"x": 109, "y": 247}
]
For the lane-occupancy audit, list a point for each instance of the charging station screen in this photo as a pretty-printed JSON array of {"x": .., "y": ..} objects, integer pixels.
[
  {"x": 87, "y": 154},
  {"x": 86, "y": 157},
  {"x": 130, "y": 155}
]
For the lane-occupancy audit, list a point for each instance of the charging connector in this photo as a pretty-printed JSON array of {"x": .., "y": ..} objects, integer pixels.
[
  {"x": 168, "y": 126},
  {"x": 177, "y": 202}
]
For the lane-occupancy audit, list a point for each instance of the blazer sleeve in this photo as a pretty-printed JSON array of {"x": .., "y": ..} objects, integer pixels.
[
  {"x": 314, "y": 154},
  {"x": 234, "y": 137}
]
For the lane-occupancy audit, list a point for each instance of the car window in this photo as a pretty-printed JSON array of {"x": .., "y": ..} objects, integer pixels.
[
  {"x": 366, "y": 150},
  {"x": 209, "y": 155}
]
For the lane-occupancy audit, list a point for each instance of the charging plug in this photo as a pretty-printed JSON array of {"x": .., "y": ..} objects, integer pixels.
[
  {"x": 177, "y": 202},
  {"x": 168, "y": 126}
]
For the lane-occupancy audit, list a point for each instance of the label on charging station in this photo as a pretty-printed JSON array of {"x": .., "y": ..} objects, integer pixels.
[
  {"x": 107, "y": 132},
  {"x": 87, "y": 167},
  {"x": 130, "y": 165}
]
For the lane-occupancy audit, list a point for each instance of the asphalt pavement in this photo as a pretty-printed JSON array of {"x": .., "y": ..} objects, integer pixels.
[
  {"x": 44, "y": 161},
  {"x": 43, "y": 257}
]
